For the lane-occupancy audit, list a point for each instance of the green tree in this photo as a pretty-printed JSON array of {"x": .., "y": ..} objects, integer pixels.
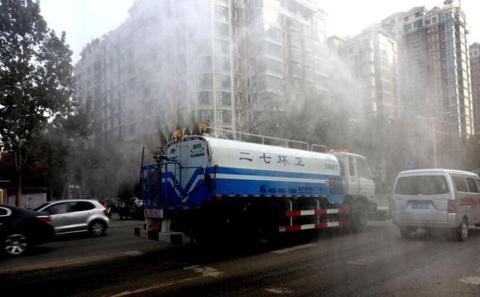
[
  {"x": 36, "y": 81},
  {"x": 62, "y": 148}
]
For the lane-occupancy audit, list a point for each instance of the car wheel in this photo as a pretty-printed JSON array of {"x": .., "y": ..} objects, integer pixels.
[
  {"x": 462, "y": 230},
  {"x": 15, "y": 244},
  {"x": 97, "y": 228}
]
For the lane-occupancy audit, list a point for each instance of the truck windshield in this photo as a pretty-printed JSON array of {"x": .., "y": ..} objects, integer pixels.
[{"x": 424, "y": 185}]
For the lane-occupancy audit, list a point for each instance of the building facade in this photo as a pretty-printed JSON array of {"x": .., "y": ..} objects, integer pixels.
[
  {"x": 281, "y": 54},
  {"x": 434, "y": 66},
  {"x": 372, "y": 58},
  {"x": 167, "y": 65},
  {"x": 475, "y": 72},
  {"x": 223, "y": 62}
]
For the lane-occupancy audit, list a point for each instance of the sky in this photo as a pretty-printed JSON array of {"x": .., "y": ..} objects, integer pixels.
[{"x": 85, "y": 20}]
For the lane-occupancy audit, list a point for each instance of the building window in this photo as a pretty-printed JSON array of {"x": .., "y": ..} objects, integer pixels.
[
  {"x": 222, "y": 30},
  {"x": 225, "y": 98},
  {"x": 221, "y": 12},
  {"x": 223, "y": 82},
  {"x": 204, "y": 98},
  {"x": 224, "y": 116},
  {"x": 205, "y": 115}
]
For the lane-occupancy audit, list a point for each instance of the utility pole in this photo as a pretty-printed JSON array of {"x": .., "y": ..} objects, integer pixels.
[{"x": 434, "y": 144}]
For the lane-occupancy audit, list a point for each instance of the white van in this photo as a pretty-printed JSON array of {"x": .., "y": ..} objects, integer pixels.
[{"x": 436, "y": 198}]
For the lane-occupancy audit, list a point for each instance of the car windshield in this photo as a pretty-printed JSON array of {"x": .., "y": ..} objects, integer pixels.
[
  {"x": 422, "y": 185},
  {"x": 41, "y": 206}
]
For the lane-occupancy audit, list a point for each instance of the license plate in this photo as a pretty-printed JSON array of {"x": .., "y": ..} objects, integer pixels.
[
  {"x": 153, "y": 213},
  {"x": 421, "y": 205}
]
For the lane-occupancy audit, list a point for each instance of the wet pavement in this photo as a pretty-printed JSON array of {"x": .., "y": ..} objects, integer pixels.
[{"x": 374, "y": 263}]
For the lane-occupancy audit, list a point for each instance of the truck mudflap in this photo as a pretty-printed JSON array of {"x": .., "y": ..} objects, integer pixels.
[
  {"x": 159, "y": 229},
  {"x": 323, "y": 219}
]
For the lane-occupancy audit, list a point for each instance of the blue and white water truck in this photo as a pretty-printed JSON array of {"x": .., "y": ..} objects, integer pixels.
[{"x": 205, "y": 187}]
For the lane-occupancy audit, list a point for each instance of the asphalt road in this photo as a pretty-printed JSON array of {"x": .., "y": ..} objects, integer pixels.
[
  {"x": 82, "y": 248},
  {"x": 374, "y": 263}
]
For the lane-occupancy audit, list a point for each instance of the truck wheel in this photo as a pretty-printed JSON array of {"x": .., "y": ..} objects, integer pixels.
[
  {"x": 461, "y": 231},
  {"x": 359, "y": 217}
]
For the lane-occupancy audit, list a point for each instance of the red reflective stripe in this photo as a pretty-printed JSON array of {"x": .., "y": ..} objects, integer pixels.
[
  {"x": 293, "y": 213},
  {"x": 321, "y": 226},
  {"x": 293, "y": 228},
  {"x": 316, "y": 212}
]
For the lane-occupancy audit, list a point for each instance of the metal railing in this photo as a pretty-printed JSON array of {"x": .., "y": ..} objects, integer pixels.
[{"x": 263, "y": 139}]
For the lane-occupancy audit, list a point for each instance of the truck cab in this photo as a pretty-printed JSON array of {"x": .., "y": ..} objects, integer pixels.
[
  {"x": 358, "y": 177},
  {"x": 359, "y": 183}
]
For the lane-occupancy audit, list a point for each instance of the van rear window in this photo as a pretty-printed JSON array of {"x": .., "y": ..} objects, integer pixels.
[{"x": 421, "y": 184}]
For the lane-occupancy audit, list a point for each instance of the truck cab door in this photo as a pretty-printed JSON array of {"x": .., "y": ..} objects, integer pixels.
[{"x": 351, "y": 176}]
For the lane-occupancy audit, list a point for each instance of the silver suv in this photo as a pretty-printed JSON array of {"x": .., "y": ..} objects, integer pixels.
[{"x": 79, "y": 215}]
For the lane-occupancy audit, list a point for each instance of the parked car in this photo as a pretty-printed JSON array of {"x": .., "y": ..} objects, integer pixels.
[
  {"x": 436, "y": 199},
  {"x": 131, "y": 208},
  {"x": 78, "y": 215},
  {"x": 20, "y": 229}
]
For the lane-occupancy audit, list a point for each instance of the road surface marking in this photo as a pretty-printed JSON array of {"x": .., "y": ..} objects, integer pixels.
[
  {"x": 61, "y": 263},
  {"x": 134, "y": 253},
  {"x": 278, "y": 291},
  {"x": 204, "y": 270},
  {"x": 69, "y": 262},
  {"x": 471, "y": 280},
  {"x": 293, "y": 249},
  {"x": 152, "y": 288},
  {"x": 362, "y": 261}
]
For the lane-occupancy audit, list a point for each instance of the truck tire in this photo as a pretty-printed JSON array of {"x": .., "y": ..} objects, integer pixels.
[{"x": 359, "y": 217}]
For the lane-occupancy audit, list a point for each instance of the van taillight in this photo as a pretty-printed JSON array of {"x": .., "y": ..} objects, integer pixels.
[
  {"x": 45, "y": 219},
  {"x": 452, "y": 207}
]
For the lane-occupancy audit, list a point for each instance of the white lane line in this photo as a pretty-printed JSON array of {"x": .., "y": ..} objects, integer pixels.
[
  {"x": 278, "y": 291},
  {"x": 204, "y": 270},
  {"x": 293, "y": 249},
  {"x": 152, "y": 288},
  {"x": 471, "y": 280},
  {"x": 134, "y": 253},
  {"x": 362, "y": 261}
]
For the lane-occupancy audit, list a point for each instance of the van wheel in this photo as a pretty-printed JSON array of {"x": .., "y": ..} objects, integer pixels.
[
  {"x": 406, "y": 232},
  {"x": 462, "y": 230}
]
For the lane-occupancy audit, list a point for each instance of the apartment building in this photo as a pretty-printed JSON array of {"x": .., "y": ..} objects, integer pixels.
[
  {"x": 224, "y": 62},
  {"x": 475, "y": 73},
  {"x": 434, "y": 67},
  {"x": 281, "y": 56},
  {"x": 372, "y": 58}
]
